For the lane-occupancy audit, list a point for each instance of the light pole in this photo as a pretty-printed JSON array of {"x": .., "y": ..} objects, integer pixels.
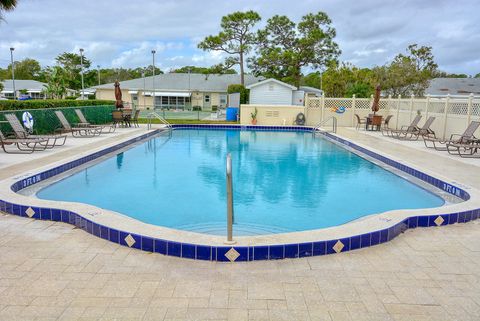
[
  {"x": 13, "y": 73},
  {"x": 153, "y": 78},
  {"x": 143, "y": 75},
  {"x": 81, "y": 72},
  {"x": 98, "y": 73}
]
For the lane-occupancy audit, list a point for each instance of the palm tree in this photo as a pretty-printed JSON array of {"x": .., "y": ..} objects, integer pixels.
[{"x": 7, "y": 5}]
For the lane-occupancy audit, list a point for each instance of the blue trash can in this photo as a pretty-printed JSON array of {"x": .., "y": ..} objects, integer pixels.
[{"x": 232, "y": 114}]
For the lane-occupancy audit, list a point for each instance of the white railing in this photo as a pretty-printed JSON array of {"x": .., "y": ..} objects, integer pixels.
[
  {"x": 321, "y": 124},
  {"x": 452, "y": 113},
  {"x": 159, "y": 117}
]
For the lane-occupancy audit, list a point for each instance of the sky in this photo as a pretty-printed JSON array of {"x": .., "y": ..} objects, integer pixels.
[{"x": 122, "y": 33}]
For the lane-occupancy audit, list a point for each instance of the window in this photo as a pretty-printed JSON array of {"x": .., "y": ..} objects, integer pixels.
[
  {"x": 164, "y": 100},
  {"x": 207, "y": 98}
]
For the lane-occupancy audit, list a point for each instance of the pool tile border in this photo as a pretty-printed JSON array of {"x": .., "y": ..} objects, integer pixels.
[{"x": 243, "y": 253}]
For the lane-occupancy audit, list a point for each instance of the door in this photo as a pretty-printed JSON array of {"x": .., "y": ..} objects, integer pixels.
[{"x": 207, "y": 101}]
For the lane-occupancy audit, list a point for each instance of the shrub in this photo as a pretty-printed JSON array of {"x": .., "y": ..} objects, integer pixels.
[
  {"x": 50, "y": 103},
  {"x": 238, "y": 88}
]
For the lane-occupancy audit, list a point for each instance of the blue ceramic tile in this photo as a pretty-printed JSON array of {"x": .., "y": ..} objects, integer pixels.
[
  {"x": 56, "y": 215},
  {"x": 290, "y": 250},
  {"x": 355, "y": 242},
  {"x": 90, "y": 227},
  {"x": 174, "y": 249},
  {"x": 423, "y": 221},
  {"x": 160, "y": 246},
  {"x": 147, "y": 244},
  {"x": 305, "y": 249},
  {"x": 276, "y": 252},
  {"x": 96, "y": 230},
  {"x": 375, "y": 238},
  {"x": 365, "y": 240},
  {"x": 17, "y": 210},
  {"x": 413, "y": 222},
  {"x": 188, "y": 251},
  {"x": 453, "y": 218},
  {"x": 243, "y": 251},
  {"x": 319, "y": 248},
  {"x": 260, "y": 253},
  {"x": 383, "y": 236},
  {"x": 114, "y": 235},
  {"x": 204, "y": 252}
]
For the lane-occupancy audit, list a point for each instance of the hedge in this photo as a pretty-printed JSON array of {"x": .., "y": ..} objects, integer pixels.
[
  {"x": 46, "y": 122},
  {"x": 50, "y": 103}
]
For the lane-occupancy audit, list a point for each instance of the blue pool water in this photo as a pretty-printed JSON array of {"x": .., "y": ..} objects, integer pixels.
[{"x": 283, "y": 181}]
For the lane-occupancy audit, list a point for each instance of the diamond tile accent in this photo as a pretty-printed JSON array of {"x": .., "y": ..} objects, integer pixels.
[
  {"x": 30, "y": 212},
  {"x": 439, "y": 220},
  {"x": 232, "y": 255},
  {"x": 130, "y": 240},
  {"x": 338, "y": 247}
]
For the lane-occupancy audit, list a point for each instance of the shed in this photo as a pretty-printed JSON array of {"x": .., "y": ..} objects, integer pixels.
[{"x": 271, "y": 92}]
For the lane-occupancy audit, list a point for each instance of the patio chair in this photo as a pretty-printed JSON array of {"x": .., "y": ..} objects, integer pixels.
[
  {"x": 21, "y": 133},
  {"x": 134, "y": 119},
  {"x": 405, "y": 130},
  {"x": 117, "y": 117},
  {"x": 459, "y": 139},
  {"x": 359, "y": 121},
  {"x": 76, "y": 131},
  {"x": 424, "y": 131},
  {"x": 469, "y": 149},
  {"x": 24, "y": 145},
  {"x": 84, "y": 123}
]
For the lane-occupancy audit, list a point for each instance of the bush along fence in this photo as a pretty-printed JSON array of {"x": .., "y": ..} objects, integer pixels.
[
  {"x": 50, "y": 103},
  {"x": 45, "y": 120},
  {"x": 452, "y": 114}
]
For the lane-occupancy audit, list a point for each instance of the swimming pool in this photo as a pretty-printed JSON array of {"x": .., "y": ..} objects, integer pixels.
[{"x": 283, "y": 182}]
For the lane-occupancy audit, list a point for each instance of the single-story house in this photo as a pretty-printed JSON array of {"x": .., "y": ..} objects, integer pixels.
[
  {"x": 175, "y": 90},
  {"x": 34, "y": 89},
  {"x": 453, "y": 87},
  {"x": 276, "y": 92}
]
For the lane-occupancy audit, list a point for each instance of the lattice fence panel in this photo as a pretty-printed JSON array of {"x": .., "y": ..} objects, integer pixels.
[
  {"x": 384, "y": 104},
  {"x": 475, "y": 108},
  {"x": 458, "y": 108},
  {"x": 403, "y": 104},
  {"x": 334, "y": 103},
  {"x": 364, "y": 103},
  {"x": 436, "y": 107},
  {"x": 314, "y": 103}
]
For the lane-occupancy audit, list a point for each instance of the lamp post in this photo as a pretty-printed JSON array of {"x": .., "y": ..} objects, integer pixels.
[
  {"x": 13, "y": 73},
  {"x": 81, "y": 72},
  {"x": 98, "y": 73},
  {"x": 143, "y": 75},
  {"x": 153, "y": 78}
]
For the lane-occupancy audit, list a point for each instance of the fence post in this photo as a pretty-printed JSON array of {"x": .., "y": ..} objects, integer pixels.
[
  {"x": 411, "y": 108},
  {"x": 469, "y": 108},
  {"x": 322, "y": 107},
  {"x": 427, "y": 104},
  {"x": 305, "y": 108},
  {"x": 445, "y": 115},
  {"x": 354, "y": 101},
  {"x": 398, "y": 115}
]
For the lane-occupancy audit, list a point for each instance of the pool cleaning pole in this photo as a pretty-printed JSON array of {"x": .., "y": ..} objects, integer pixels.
[{"x": 229, "y": 202}]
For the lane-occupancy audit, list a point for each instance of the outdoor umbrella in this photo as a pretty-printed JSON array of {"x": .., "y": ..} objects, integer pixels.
[
  {"x": 118, "y": 95},
  {"x": 376, "y": 100}
]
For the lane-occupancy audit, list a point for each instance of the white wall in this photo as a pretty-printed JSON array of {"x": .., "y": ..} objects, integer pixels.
[{"x": 271, "y": 93}]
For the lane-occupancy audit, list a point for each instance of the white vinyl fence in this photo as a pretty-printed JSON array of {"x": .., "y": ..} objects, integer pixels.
[{"x": 452, "y": 114}]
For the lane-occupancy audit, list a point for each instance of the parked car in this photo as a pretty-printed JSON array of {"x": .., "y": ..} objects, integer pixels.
[{"x": 24, "y": 97}]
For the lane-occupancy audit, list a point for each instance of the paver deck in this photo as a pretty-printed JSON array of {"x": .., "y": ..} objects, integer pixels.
[{"x": 53, "y": 271}]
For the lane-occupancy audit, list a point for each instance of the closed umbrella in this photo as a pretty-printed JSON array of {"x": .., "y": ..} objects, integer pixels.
[
  {"x": 118, "y": 95},
  {"x": 376, "y": 100}
]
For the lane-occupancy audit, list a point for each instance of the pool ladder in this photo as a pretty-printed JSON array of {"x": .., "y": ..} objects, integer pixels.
[
  {"x": 321, "y": 124},
  {"x": 230, "y": 216},
  {"x": 158, "y": 116}
]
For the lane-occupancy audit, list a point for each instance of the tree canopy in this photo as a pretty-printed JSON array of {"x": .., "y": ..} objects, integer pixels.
[
  {"x": 236, "y": 39},
  {"x": 285, "y": 48}
]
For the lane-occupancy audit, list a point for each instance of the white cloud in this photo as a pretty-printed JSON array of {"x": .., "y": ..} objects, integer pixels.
[{"x": 122, "y": 33}]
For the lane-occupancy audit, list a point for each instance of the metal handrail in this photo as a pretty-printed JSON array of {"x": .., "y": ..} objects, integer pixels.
[
  {"x": 230, "y": 216},
  {"x": 156, "y": 115},
  {"x": 323, "y": 122}
]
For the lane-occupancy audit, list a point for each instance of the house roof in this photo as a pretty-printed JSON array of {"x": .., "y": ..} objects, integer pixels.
[
  {"x": 184, "y": 82},
  {"x": 311, "y": 90},
  {"x": 32, "y": 85},
  {"x": 266, "y": 81},
  {"x": 454, "y": 86}
]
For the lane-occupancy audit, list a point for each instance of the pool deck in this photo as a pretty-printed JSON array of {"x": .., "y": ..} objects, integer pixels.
[{"x": 54, "y": 271}]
